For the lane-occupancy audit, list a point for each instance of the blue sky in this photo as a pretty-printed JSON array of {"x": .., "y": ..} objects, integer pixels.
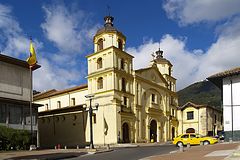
[{"x": 199, "y": 37}]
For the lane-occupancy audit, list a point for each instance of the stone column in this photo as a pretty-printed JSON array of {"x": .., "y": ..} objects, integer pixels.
[
  {"x": 137, "y": 126},
  {"x": 140, "y": 125}
]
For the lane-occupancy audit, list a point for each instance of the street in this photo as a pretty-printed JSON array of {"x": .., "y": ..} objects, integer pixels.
[{"x": 130, "y": 153}]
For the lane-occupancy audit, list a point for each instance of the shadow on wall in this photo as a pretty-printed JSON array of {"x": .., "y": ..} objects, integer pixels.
[{"x": 60, "y": 130}]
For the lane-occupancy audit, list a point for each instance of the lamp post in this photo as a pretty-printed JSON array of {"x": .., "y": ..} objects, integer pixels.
[{"x": 90, "y": 97}]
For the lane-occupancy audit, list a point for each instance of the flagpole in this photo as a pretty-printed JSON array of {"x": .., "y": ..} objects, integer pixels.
[
  {"x": 31, "y": 61},
  {"x": 31, "y": 117}
]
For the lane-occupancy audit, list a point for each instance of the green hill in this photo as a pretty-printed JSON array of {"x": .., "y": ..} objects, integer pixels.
[{"x": 203, "y": 92}]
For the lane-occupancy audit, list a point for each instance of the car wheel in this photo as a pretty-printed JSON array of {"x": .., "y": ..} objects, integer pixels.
[
  {"x": 206, "y": 143},
  {"x": 179, "y": 144}
]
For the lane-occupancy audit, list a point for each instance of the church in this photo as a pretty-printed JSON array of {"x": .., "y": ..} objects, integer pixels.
[{"x": 130, "y": 106}]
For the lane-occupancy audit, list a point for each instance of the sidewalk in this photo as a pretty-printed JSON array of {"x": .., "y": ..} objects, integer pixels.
[
  {"x": 49, "y": 154},
  {"x": 229, "y": 151}
]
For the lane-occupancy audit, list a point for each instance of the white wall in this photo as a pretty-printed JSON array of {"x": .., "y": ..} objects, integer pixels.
[{"x": 227, "y": 103}]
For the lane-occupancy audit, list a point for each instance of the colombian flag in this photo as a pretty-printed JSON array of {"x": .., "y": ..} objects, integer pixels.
[{"x": 32, "y": 59}]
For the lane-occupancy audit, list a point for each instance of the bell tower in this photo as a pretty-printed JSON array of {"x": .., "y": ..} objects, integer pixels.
[
  {"x": 165, "y": 68},
  {"x": 113, "y": 38},
  {"x": 110, "y": 80}
]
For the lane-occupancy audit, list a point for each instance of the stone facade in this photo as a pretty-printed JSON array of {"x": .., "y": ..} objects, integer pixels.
[{"x": 134, "y": 105}]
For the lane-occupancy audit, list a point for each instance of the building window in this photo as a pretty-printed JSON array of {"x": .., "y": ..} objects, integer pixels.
[
  {"x": 125, "y": 101},
  {"x": 170, "y": 86},
  {"x": 58, "y": 104},
  {"x": 46, "y": 107},
  {"x": 172, "y": 100},
  {"x": 100, "y": 44},
  {"x": 100, "y": 83},
  {"x": 73, "y": 102},
  {"x": 189, "y": 115},
  {"x": 215, "y": 118},
  {"x": 122, "y": 63},
  {"x": 123, "y": 85},
  {"x": 99, "y": 63},
  {"x": 173, "y": 112},
  {"x": 120, "y": 45},
  {"x": 153, "y": 98},
  {"x": 15, "y": 114},
  {"x": 3, "y": 113}
]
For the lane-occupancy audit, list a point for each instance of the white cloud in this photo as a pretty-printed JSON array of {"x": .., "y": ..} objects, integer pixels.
[
  {"x": 13, "y": 42},
  {"x": 191, "y": 66},
  {"x": 52, "y": 74},
  {"x": 69, "y": 30},
  {"x": 189, "y": 12}
]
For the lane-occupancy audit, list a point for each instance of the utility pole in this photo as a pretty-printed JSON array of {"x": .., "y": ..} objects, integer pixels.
[{"x": 90, "y": 96}]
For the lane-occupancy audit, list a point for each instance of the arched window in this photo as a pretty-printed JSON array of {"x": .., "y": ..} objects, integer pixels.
[
  {"x": 190, "y": 130},
  {"x": 99, "y": 63},
  {"x": 120, "y": 45},
  {"x": 123, "y": 85},
  {"x": 100, "y": 83},
  {"x": 100, "y": 44},
  {"x": 122, "y": 63}
]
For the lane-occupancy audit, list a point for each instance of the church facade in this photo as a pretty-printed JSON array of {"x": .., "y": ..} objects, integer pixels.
[{"x": 133, "y": 105}]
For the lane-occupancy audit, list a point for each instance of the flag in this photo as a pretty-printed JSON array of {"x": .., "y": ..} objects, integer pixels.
[
  {"x": 105, "y": 126},
  {"x": 32, "y": 59}
]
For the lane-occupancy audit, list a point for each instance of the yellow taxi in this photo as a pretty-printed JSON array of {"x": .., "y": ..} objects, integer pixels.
[{"x": 193, "y": 139}]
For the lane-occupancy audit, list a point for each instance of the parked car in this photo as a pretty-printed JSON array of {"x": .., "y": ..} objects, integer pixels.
[
  {"x": 193, "y": 139},
  {"x": 221, "y": 135}
]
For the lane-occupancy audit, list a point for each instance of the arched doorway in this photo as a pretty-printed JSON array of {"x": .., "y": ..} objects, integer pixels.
[
  {"x": 190, "y": 130},
  {"x": 153, "y": 131},
  {"x": 125, "y": 131},
  {"x": 173, "y": 132}
]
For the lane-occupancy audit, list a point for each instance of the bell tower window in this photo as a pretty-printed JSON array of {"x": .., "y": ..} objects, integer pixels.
[
  {"x": 99, "y": 63},
  {"x": 120, "y": 44},
  {"x": 100, "y": 83},
  {"x": 122, "y": 63},
  {"x": 123, "y": 85},
  {"x": 100, "y": 44}
]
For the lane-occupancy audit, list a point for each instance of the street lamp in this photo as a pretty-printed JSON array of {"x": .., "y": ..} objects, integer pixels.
[{"x": 90, "y": 97}]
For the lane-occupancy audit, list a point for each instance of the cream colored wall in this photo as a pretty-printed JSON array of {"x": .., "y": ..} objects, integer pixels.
[
  {"x": 143, "y": 91},
  {"x": 107, "y": 59},
  {"x": 105, "y": 128},
  {"x": 163, "y": 68},
  {"x": 191, "y": 123},
  {"x": 110, "y": 39},
  {"x": 65, "y": 100},
  {"x": 202, "y": 122}
]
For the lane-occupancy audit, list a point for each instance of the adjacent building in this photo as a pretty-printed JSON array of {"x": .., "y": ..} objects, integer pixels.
[
  {"x": 229, "y": 83},
  {"x": 134, "y": 105},
  {"x": 15, "y": 94},
  {"x": 202, "y": 119}
]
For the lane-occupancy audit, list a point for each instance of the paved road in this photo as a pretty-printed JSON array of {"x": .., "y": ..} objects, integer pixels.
[{"x": 130, "y": 153}]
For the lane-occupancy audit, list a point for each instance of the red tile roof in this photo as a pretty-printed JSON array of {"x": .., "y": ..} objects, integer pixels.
[
  {"x": 231, "y": 72},
  {"x": 54, "y": 92}
]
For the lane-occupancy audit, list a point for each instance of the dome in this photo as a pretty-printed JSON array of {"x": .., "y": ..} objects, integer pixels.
[{"x": 108, "y": 27}]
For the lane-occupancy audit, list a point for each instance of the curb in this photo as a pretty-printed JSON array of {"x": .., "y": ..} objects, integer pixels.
[{"x": 98, "y": 152}]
